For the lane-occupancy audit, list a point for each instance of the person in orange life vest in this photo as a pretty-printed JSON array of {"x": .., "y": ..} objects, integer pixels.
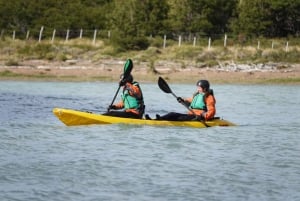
[
  {"x": 132, "y": 100},
  {"x": 202, "y": 104}
]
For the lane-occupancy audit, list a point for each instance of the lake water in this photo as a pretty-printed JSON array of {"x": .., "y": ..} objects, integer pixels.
[{"x": 42, "y": 159}]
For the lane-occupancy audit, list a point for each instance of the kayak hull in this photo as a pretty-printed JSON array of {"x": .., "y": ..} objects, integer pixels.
[{"x": 77, "y": 118}]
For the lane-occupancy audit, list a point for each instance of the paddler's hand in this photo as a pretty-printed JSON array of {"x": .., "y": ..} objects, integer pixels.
[
  {"x": 111, "y": 107},
  {"x": 201, "y": 117},
  {"x": 122, "y": 82},
  {"x": 180, "y": 100}
]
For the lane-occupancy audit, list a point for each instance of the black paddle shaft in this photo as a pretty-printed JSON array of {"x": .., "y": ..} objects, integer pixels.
[{"x": 163, "y": 85}]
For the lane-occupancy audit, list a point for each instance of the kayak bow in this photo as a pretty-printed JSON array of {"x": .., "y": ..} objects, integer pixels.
[{"x": 76, "y": 118}]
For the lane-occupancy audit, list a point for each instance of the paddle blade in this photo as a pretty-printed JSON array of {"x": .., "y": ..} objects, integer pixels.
[
  {"x": 163, "y": 85},
  {"x": 127, "y": 68},
  {"x": 126, "y": 72}
]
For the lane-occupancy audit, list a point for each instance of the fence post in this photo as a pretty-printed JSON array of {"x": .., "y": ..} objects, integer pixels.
[
  {"x": 27, "y": 34},
  {"x": 95, "y": 34},
  {"x": 67, "y": 35},
  {"x": 194, "y": 42},
  {"x": 80, "y": 34},
  {"x": 41, "y": 33},
  {"x": 179, "y": 41},
  {"x": 53, "y": 35},
  {"x": 272, "y": 45},
  {"x": 209, "y": 43},
  {"x": 287, "y": 46},
  {"x": 225, "y": 40},
  {"x": 258, "y": 45},
  {"x": 165, "y": 41},
  {"x": 108, "y": 34},
  {"x": 14, "y": 35}
]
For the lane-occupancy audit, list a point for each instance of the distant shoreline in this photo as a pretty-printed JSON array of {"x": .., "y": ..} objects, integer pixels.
[{"x": 110, "y": 70}]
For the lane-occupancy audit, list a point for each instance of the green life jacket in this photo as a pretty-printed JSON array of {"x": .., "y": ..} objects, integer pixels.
[
  {"x": 198, "y": 102},
  {"x": 133, "y": 101}
]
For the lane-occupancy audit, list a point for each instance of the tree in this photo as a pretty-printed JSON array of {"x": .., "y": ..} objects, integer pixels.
[
  {"x": 285, "y": 18},
  {"x": 128, "y": 29},
  {"x": 153, "y": 15},
  {"x": 204, "y": 16},
  {"x": 13, "y": 15},
  {"x": 180, "y": 15},
  {"x": 270, "y": 18}
]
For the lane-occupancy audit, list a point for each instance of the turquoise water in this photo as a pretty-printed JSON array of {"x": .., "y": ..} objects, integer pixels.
[{"x": 42, "y": 159}]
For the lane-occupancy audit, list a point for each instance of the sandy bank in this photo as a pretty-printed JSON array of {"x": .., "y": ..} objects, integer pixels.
[{"x": 109, "y": 70}]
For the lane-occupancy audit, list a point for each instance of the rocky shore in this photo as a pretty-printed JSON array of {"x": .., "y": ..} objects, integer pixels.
[{"x": 188, "y": 72}]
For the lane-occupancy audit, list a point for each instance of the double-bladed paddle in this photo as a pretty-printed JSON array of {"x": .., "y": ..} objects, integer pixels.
[
  {"x": 126, "y": 72},
  {"x": 163, "y": 85}
]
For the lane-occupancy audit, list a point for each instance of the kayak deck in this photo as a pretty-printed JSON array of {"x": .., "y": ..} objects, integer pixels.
[{"x": 76, "y": 118}]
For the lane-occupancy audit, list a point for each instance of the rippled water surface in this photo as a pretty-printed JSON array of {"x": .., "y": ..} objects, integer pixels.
[{"x": 42, "y": 159}]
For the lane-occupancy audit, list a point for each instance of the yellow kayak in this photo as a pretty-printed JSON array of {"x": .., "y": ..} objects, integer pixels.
[{"x": 76, "y": 118}]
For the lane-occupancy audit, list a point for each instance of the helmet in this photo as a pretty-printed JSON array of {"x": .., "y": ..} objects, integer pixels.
[
  {"x": 129, "y": 78},
  {"x": 204, "y": 84}
]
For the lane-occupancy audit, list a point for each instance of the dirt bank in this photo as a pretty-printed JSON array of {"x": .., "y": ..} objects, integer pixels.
[{"x": 109, "y": 70}]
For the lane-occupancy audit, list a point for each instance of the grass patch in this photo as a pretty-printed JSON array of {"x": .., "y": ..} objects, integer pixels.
[
  {"x": 103, "y": 78},
  {"x": 283, "y": 80},
  {"x": 8, "y": 73},
  {"x": 11, "y": 74},
  {"x": 12, "y": 62},
  {"x": 61, "y": 50},
  {"x": 17, "y": 76}
]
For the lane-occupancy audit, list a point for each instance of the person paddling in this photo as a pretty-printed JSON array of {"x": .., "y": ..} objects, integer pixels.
[
  {"x": 201, "y": 105},
  {"x": 132, "y": 99}
]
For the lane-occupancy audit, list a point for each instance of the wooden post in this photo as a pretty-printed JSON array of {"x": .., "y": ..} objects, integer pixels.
[
  {"x": 14, "y": 35},
  {"x": 287, "y": 46},
  {"x": 67, "y": 35},
  {"x": 53, "y": 35},
  {"x": 194, "y": 42},
  {"x": 209, "y": 43},
  {"x": 27, "y": 34},
  {"x": 272, "y": 45},
  {"x": 95, "y": 35},
  {"x": 225, "y": 40},
  {"x": 108, "y": 34},
  {"x": 80, "y": 34},
  {"x": 41, "y": 33},
  {"x": 165, "y": 41},
  {"x": 258, "y": 45},
  {"x": 179, "y": 41}
]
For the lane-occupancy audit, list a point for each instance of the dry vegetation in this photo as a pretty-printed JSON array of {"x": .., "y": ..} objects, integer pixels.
[{"x": 80, "y": 60}]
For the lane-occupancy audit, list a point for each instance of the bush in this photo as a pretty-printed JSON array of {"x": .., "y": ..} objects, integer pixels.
[
  {"x": 129, "y": 42},
  {"x": 156, "y": 42}
]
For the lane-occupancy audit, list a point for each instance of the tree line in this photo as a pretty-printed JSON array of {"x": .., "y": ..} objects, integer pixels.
[{"x": 133, "y": 21}]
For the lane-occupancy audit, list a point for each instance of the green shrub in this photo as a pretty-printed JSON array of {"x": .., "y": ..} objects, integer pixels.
[
  {"x": 156, "y": 42},
  {"x": 11, "y": 62}
]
